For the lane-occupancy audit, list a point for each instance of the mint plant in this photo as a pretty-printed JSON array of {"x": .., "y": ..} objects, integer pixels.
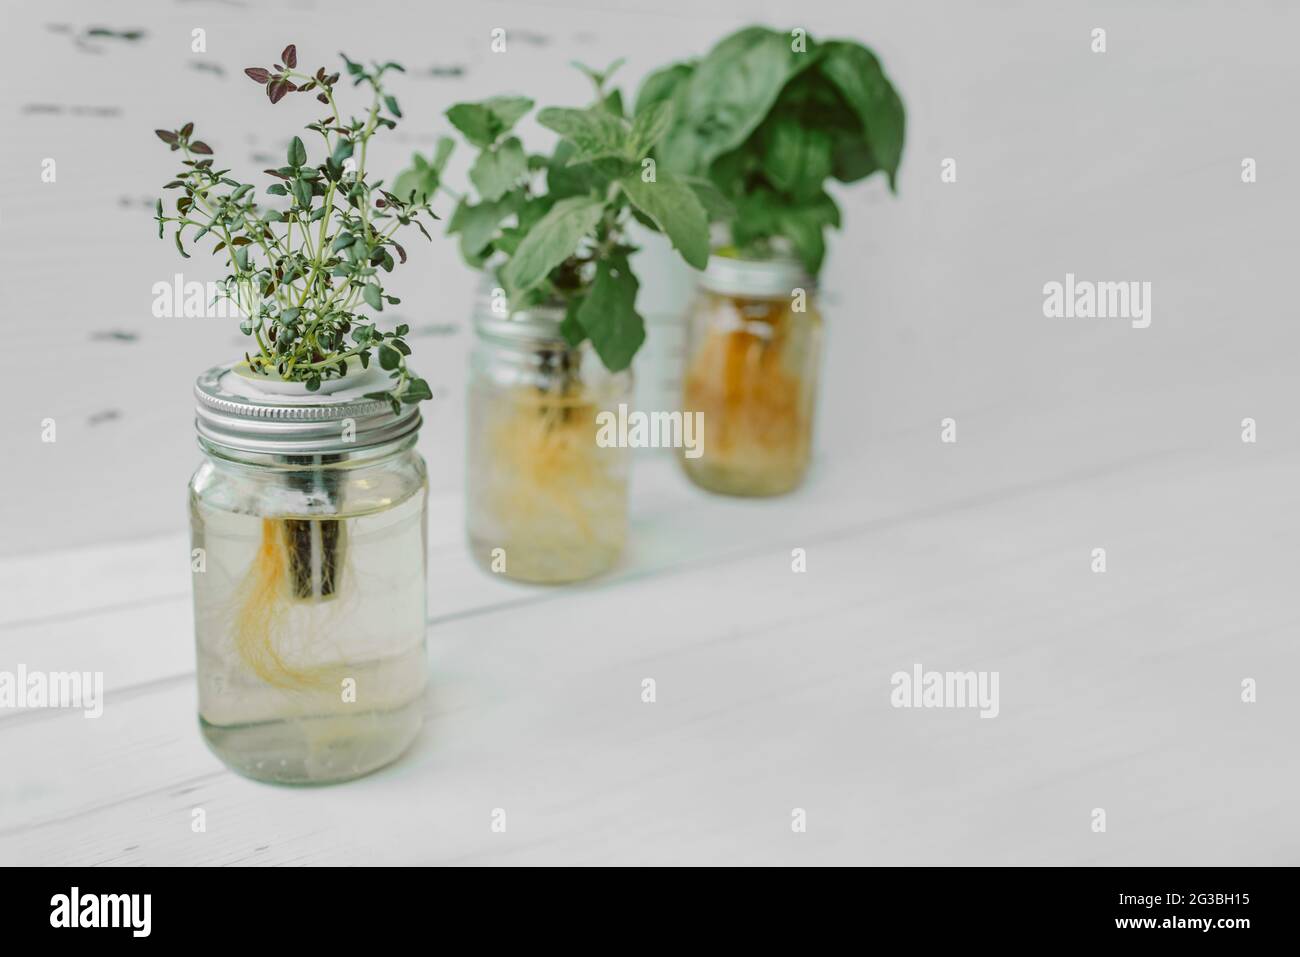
[
  {"x": 769, "y": 118},
  {"x": 306, "y": 275},
  {"x": 553, "y": 227}
]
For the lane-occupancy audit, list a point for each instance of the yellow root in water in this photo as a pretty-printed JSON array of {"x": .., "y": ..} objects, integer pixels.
[
  {"x": 262, "y": 612},
  {"x": 753, "y": 408},
  {"x": 544, "y": 449}
]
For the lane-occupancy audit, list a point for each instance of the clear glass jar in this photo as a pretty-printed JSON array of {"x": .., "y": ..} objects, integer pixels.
[
  {"x": 753, "y": 352},
  {"x": 308, "y": 530},
  {"x": 544, "y": 501}
]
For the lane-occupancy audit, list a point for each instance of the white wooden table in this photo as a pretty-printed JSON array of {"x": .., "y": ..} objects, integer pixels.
[{"x": 1118, "y": 691}]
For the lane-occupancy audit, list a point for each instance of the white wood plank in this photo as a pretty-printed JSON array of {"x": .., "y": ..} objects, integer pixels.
[{"x": 773, "y": 693}]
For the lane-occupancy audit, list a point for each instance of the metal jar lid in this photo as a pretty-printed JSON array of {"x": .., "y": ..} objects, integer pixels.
[
  {"x": 756, "y": 278},
  {"x": 493, "y": 319},
  {"x": 234, "y": 413}
]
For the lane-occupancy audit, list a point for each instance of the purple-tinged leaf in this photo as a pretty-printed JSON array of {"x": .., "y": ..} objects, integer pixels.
[
  {"x": 167, "y": 136},
  {"x": 200, "y": 147},
  {"x": 290, "y": 55},
  {"x": 258, "y": 74}
]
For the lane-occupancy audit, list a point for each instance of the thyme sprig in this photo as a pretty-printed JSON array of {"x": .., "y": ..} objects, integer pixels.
[{"x": 307, "y": 277}]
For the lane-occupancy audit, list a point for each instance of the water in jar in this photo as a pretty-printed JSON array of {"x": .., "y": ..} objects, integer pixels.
[
  {"x": 545, "y": 502},
  {"x": 310, "y": 632},
  {"x": 751, "y": 370}
]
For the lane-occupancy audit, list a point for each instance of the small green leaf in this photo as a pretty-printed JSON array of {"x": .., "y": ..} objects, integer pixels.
[
  {"x": 716, "y": 205},
  {"x": 672, "y": 206},
  {"x": 553, "y": 240},
  {"x": 571, "y": 327},
  {"x": 598, "y": 78},
  {"x": 389, "y": 358},
  {"x": 649, "y": 128},
  {"x": 391, "y": 103},
  {"x": 297, "y": 153},
  {"x": 596, "y": 133},
  {"x": 477, "y": 223},
  {"x": 484, "y": 123},
  {"x": 373, "y": 297},
  {"x": 497, "y": 170},
  {"x": 417, "y": 390},
  {"x": 609, "y": 316}
]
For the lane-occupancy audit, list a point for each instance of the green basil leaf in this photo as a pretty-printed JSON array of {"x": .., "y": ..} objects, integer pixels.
[
  {"x": 856, "y": 73},
  {"x": 805, "y": 232},
  {"x": 716, "y": 205},
  {"x": 796, "y": 158},
  {"x": 728, "y": 95},
  {"x": 663, "y": 85}
]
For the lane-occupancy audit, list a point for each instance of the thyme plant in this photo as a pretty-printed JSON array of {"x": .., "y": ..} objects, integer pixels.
[{"x": 307, "y": 276}]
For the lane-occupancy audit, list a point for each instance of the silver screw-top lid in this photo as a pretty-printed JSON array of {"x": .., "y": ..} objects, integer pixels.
[
  {"x": 245, "y": 412},
  {"x": 772, "y": 278},
  {"x": 494, "y": 319}
]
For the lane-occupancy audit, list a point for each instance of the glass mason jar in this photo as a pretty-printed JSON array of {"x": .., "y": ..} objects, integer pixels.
[
  {"x": 752, "y": 356},
  {"x": 544, "y": 501},
  {"x": 307, "y": 519}
]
